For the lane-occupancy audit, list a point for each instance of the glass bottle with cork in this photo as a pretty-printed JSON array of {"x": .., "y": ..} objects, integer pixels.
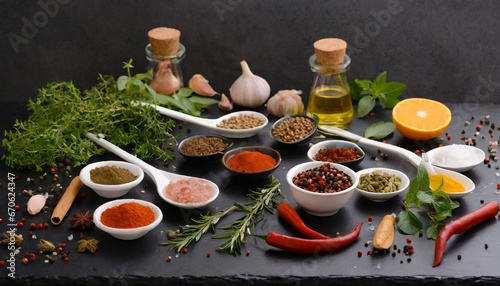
[
  {"x": 330, "y": 97},
  {"x": 165, "y": 53}
]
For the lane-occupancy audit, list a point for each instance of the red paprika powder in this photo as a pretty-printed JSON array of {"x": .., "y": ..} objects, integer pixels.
[
  {"x": 251, "y": 161},
  {"x": 127, "y": 215}
]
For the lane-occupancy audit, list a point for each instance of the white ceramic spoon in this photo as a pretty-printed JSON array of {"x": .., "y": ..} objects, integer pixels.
[
  {"x": 212, "y": 123},
  {"x": 161, "y": 178},
  {"x": 403, "y": 153}
]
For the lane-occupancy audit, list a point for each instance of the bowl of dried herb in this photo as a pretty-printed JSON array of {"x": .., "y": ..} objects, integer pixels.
[
  {"x": 111, "y": 179},
  {"x": 204, "y": 147}
]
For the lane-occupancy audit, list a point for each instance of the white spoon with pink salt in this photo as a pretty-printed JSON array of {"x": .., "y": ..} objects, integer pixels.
[{"x": 179, "y": 190}]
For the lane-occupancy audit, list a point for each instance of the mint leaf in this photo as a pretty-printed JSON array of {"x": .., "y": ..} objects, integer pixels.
[
  {"x": 408, "y": 223},
  {"x": 432, "y": 230},
  {"x": 365, "y": 105},
  {"x": 386, "y": 93},
  {"x": 379, "y": 130}
]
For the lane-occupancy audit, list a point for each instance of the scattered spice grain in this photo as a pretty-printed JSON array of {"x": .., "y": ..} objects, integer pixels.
[
  {"x": 294, "y": 129},
  {"x": 111, "y": 175},
  {"x": 128, "y": 215},
  {"x": 242, "y": 121}
]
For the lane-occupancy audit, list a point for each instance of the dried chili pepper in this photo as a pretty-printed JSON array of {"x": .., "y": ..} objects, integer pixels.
[
  {"x": 290, "y": 215},
  {"x": 312, "y": 246},
  {"x": 460, "y": 225}
]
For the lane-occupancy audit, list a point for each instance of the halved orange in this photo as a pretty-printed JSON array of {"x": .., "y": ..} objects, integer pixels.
[{"x": 421, "y": 118}]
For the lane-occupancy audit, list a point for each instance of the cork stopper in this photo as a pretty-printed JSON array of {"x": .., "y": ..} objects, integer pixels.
[
  {"x": 164, "y": 41},
  {"x": 330, "y": 51}
]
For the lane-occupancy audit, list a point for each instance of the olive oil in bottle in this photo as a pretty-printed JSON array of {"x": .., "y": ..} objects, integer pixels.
[
  {"x": 332, "y": 104},
  {"x": 330, "y": 97}
]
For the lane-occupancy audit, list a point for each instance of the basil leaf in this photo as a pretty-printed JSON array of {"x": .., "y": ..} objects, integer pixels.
[
  {"x": 393, "y": 89},
  {"x": 408, "y": 223},
  {"x": 379, "y": 130},
  {"x": 379, "y": 82},
  {"x": 365, "y": 105},
  {"x": 364, "y": 84},
  {"x": 356, "y": 91},
  {"x": 202, "y": 100},
  {"x": 390, "y": 102},
  {"x": 432, "y": 230}
]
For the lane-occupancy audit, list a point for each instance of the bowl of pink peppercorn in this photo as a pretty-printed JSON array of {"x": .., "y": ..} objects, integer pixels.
[{"x": 322, "y": 188}]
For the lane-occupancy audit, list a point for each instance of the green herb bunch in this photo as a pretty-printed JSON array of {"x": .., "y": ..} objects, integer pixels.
[
  {"x": 185, "y": 100},
  {"x": 436, "y": 205},
  {"x": 62, "y": 115},
  {"x": 368, "y": 92}
]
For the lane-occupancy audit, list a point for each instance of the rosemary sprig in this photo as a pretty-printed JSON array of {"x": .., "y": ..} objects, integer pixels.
[
  {"x": 263, "y": 200},
  {"x": 193, "y": 232}
]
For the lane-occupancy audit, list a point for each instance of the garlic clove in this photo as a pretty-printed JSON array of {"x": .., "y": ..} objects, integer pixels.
[
  {"x": 201, "y": 86},
  {"x": 225, "y": 104},
  {"x": 165, "y": 82},
  {"x": 249, "y": 90},
  {"x": 285, "y": 102},
  {"x": 36, "y": 203}
]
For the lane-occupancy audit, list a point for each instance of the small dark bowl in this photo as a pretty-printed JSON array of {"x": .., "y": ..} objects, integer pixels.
[
  {"x": 340, "y": 144},
  {"x": 251, "y": 175},
  {"x": 208, "y": 157},
  {"x": 301, "y": 141}
]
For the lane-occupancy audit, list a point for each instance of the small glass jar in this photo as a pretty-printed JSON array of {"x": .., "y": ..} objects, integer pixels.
[
  {"x": 174, "y": 61},
  {"x": 330, "y": 96}
]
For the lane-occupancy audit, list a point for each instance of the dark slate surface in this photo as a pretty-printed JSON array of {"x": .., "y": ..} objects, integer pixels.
[
  {"x": 143, "y": 262},
  {"x": 441, "y": 49}
]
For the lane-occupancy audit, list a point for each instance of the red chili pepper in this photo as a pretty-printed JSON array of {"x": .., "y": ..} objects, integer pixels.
[
  {"x": 290, "y": 215},
  {"x": 312, "y": 246},
  {"x": 460, "y": 225}
]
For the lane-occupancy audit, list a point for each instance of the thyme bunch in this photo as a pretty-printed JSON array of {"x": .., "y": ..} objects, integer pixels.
[
  {"x": 62, "y": 115},
  {"x": 263, "y": 200}
]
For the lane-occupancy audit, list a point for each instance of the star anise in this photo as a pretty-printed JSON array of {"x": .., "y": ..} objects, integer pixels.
[
  {"x": 89, "y": 245},
  {"x": 82, "y": 221}
]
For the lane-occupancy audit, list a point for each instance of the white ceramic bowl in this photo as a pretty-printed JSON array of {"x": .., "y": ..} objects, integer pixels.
[
  {"x": 339, "y": 144},
  {"x": 111, "y": 191},
  {"x": 321, "y": 204},
  {"x": 127, "y": 233},
  {"x": 456, "y": 157},
  {"x": 382, "y": 197}
]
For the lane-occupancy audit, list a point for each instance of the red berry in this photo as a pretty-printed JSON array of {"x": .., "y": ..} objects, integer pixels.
[
  {"x": 46, "y": 225},
  {"x": 52, "y": 170},
  {"x": 417, "y": 151},
  {"x": 32, "y": 226},
  {"x": 165, "y": 164},
  {"x": 31, "y": 233},
  {"x": 370, "y": 218},
  {"x": 40, "y": 226},
  {"x": 184, "y": 250},
  {"x": 408, "y": 240},
  {"x": 360, "y": 253},
  {"x": 478, "y": 128},
  {"x": 20, "y": 224},
  {"x": 248, "y": 252},
  {"x": 2, "y": 263},
  {"x": 25, "y": 260},
  {"x": 63, "y": 245},
  {"x": 486, "y": 160},
  {"x": 16, "y": 207},
  {"x": 371, "y": 114},
  {"x": 168, "y": 258},
  {"x": 66, "y": 259},
  {"x": 208, "y": 253},
  {"x": 498, "y": 186}
]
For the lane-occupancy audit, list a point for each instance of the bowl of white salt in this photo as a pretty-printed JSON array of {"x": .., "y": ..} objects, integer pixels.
[{"x": 456, "y": 157}]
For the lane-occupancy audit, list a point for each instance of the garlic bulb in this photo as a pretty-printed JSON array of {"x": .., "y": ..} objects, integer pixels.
[
  {"x": 36, "y": 203},
  {"x": 165, "y": 82},
  {"x": 285, "y": 102},
  {"x": 200, "y": 86},
  {"x": 225, "y": 104},
  {"x": 249, "y": 90}
]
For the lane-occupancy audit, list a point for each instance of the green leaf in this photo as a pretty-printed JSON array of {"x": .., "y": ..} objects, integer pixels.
[
  {"x": 432, "y": 230},
  {"x": 379, "y": 130},
  {"x": 393, "y": 89},
  {"x": 379, "y": 81},
  {"x": 203, "y": 100},
  {"x": 356, "y": 91},
  {"x": 363, "y": 84},
  {"x": 121, "y": 82},
  {"x": 390, "y": 102},
  {"x": 184, "y": 92},
  {"x": 408, "y": 223},
  {"x": 382, "y": 99},
  {"x": 425, "y": 197},
  {"x": 365, "y": 105}
]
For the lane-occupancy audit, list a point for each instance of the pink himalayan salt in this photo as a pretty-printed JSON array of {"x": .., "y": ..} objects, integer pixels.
[{"x": 191, "y": 190}]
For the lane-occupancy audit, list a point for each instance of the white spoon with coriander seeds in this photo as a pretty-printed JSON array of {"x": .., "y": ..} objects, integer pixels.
[
  {"x": 411, "y": 157},
  {"x": 161, "y": 178},
  {"x": 239, "y": 124}
]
